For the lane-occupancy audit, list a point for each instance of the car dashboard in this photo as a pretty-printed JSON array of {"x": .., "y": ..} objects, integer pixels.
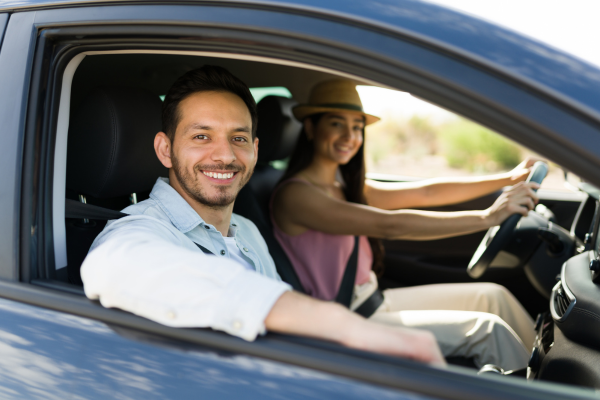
[{"x": 567, "y": 345}]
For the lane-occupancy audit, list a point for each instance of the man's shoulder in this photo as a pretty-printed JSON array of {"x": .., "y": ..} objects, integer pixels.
[
  {"x": 147, "y": 213},
  {"x": 148, "y": 207}
]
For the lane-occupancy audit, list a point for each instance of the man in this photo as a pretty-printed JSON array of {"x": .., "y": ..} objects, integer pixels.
[{"x": 153, "y": 262}]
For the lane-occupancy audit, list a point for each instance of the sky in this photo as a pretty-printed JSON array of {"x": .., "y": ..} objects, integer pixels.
[{"x": 569, "y": 25}]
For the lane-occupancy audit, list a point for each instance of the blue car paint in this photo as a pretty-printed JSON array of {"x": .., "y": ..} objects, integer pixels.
[
  {"x": 52, "y": 355},
  {"x": 559, "y": 74}
]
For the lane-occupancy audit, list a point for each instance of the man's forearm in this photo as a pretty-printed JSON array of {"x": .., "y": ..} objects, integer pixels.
[{"x": 298, "y": 314}]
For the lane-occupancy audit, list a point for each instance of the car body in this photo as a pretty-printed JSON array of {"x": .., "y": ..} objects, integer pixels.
[{"x": 55, "y": 343}]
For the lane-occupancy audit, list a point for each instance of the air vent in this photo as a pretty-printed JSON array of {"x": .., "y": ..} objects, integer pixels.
[{"x": 562, "y": 301}]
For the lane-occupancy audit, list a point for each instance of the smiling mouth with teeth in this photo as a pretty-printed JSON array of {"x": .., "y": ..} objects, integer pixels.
[{"x": 219, "y": 175}]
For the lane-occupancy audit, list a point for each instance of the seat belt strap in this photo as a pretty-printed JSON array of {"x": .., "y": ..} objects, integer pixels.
[
  {"x": 205, "y": 250},
  {"x": 76, "y": 209},
  {"x": 371, "y": 304},
  {"x": 344, "y": 295}
]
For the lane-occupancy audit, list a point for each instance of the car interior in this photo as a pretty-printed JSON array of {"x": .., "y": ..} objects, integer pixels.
[{"x": 114, "y": 113}]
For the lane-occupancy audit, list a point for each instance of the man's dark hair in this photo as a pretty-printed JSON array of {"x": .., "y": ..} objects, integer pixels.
[{"x": 209, "y": 78}]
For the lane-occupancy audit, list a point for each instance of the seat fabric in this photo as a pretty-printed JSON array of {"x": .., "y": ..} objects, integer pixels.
[{"x": 110, "y": 155}]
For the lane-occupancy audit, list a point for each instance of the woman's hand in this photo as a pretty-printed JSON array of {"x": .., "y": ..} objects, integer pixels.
[
  {"x": 519, "y": 199},
  {"x": 521, "y": 171}
]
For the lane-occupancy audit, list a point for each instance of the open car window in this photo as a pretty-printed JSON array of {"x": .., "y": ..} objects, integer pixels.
[{"x": 416, "y": 139}]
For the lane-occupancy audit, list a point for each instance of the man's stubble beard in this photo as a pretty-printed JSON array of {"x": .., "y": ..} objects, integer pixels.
[{"x": 190, "y": 184}]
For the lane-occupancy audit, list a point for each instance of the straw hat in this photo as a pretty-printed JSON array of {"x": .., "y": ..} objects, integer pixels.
[{"x": 330, "y": 96}]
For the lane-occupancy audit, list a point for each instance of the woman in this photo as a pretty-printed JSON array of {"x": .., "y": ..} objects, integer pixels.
[{"x": 323, "y": 201}]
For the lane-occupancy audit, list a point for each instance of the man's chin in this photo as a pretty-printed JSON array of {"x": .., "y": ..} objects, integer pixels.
[{"x": 221, "y": 200}]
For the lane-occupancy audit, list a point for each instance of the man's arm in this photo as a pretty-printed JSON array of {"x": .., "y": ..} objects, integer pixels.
[
  {"x": 140, "y": 265},
  {"x": 299, "y": 314}
]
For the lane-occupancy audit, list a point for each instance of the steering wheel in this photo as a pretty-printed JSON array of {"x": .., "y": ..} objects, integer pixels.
[{"x": 497, "y": 237}]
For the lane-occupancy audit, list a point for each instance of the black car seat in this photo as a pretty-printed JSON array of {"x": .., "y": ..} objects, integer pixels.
[
  {"x": 277, "y": 132},
  {"x": 110, "y": 157}
]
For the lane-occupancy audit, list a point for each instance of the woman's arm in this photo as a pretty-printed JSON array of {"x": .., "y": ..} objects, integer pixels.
[
  {"x": 441, "y": 191},
  {"x": 298, "y": 207}
]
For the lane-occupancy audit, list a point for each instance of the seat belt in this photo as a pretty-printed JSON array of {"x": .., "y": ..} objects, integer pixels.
[
  {"x": 76, "y": 209},
  {"x": 205, "y": 250},
  {"x": 344, "y": 295}
]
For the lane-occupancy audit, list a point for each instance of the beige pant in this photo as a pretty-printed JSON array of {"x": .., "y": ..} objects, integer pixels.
[{"x": 479, "y": 320}]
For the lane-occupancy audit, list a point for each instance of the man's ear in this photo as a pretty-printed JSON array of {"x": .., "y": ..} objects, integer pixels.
[
  {"x": 162, "y": 147},
  {"x": 309, "y": 129}
]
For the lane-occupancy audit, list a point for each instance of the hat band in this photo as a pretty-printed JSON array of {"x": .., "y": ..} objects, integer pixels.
[{"x": 346, "y": 106}]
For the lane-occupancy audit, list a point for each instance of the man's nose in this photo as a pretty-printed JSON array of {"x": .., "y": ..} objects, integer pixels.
[{"x": 223, "y": 152}]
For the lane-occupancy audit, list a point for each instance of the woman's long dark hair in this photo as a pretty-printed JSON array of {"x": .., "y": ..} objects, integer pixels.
[{"x": 353, "y": 174}]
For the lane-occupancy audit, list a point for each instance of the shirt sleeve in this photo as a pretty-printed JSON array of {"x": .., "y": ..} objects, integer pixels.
[{"x": 141, "y": 267}]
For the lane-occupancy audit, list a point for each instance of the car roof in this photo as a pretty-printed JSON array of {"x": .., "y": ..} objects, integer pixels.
[{"x": 554, "y": 72}]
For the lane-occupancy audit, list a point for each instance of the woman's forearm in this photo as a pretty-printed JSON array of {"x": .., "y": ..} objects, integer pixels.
[
  {"x": 442, "y": 191},
  {"x": 434, "y": 192},
  {"x": 430, "y": 225},
  {"x": 447, "y": 191}
]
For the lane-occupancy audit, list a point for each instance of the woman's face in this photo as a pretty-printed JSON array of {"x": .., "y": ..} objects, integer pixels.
[{"x": 337, "y": 136}]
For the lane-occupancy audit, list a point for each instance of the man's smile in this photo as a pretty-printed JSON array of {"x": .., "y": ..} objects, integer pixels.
[{"x": 220, "y": 176}]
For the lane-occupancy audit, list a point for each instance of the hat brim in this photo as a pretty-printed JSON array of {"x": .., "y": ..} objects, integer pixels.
[{"x": 302, "y": 111}]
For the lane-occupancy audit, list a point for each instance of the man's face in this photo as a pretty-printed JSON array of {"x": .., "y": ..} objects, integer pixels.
[{"x": 213, "y": 154}]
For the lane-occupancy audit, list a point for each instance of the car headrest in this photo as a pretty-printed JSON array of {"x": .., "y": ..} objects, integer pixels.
[
  {"x": 111, "y": 143},
  {"x": 278, "y": 130}
]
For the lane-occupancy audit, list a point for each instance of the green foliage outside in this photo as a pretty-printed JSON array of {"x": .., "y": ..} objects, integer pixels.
[
  {"x": 470, "y": 146},
  {"x": 464, "y": 145}
]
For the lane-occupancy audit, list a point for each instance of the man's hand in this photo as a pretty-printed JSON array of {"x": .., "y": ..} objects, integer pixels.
[
  {"x": 521, "y": 171},
  {"x": 299, "y": 314},
  {"x": 519, "y": 199}
]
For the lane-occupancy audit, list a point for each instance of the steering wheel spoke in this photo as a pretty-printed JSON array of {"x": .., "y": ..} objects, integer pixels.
[{"x": 497, "y": 237}]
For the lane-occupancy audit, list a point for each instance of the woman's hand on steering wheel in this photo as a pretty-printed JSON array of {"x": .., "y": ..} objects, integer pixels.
[
  {"x": 521, "y": 171},
  {"x": 519, "y": 199}
]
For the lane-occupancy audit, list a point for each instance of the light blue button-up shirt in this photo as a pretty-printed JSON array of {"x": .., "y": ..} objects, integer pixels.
[
  {"x": 167, "y": 205},
  {"x": 148, "y": 263}
]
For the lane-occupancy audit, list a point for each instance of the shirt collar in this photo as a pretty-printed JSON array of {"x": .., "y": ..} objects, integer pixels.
[{"x": 181, "y": 214}]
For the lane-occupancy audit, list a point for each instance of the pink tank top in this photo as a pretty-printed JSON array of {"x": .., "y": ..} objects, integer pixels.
[{"x": 320, "y": 259}]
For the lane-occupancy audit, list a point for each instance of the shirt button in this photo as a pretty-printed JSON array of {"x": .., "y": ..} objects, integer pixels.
[
  {"x": 233, "y": 225},
  {"x": 206, "y": 227},
  {"x": 222, "y": 252},
  {"x": 245, "y": 249},
  {"x": 237, "y": 325},
  {"x": 171, "y": 315}
]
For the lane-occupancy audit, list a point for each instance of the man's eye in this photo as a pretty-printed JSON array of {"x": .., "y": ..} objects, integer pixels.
[
  {"x": 240, "y": 139},
  {"x": 201, "y": 137}
]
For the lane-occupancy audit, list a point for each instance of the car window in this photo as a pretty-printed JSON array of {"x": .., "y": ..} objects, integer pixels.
[
  {"x": 261, "y": 92},
  {"x": 417, "y": 139}
]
